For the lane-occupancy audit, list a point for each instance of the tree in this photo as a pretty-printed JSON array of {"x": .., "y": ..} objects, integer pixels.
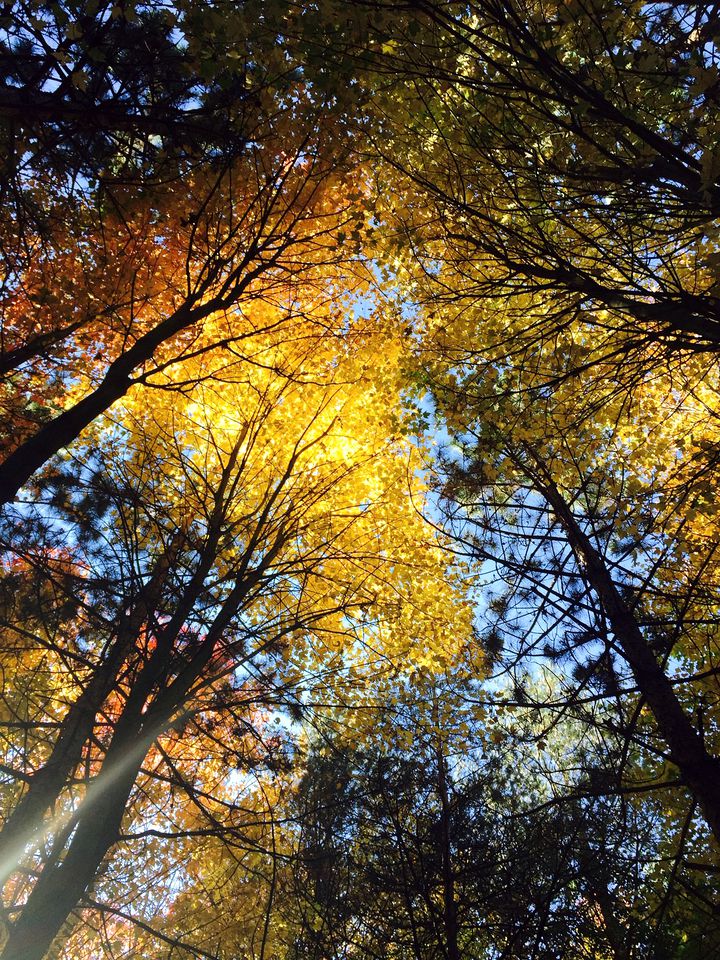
[
  {"x": 552, "y": 166},
  {"x": 99, "y": 96},
  {"x": 590, "y": 528},
  {"x": 546, "y": 181},
  {"x": 218, "y": 548},
  {"x": 464, "y": 845},
  {"x": 144, "y": 260},
  {"x": 251, "y": 253}
]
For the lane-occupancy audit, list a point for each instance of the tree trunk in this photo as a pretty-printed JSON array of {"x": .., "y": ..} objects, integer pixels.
[
  {"x": 60, "y": 888},
  {"x": 700, "y": 770},
  {"x": 450, "y": 917},
  {"x": 47, "y": 783},
  {"x": 22, "y": 463},
  {"x": 598, "y": 883},
  {"x": 67, "y": 426}
]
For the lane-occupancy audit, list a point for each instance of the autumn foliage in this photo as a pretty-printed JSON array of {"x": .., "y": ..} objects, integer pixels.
[{"x": 359, "y": 469}]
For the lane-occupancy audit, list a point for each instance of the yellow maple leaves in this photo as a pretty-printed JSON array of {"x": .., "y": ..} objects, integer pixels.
[{"x": 305, "y": 415}]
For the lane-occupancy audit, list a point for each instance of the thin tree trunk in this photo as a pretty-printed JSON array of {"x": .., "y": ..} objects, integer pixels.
[
  {"x": 22, "y": 463},
  {"x": 47, "y": 783},
  {"x": 67, "y": 426},
  {"x": 700, "y": 770},
  {"x": 60, "y": 889},
  {"x": 450, "y": 916},
  {"x": 595, "y": 876}
]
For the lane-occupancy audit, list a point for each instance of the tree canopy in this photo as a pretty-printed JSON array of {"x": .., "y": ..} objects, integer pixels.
[{"x": 359, "y": 479}]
